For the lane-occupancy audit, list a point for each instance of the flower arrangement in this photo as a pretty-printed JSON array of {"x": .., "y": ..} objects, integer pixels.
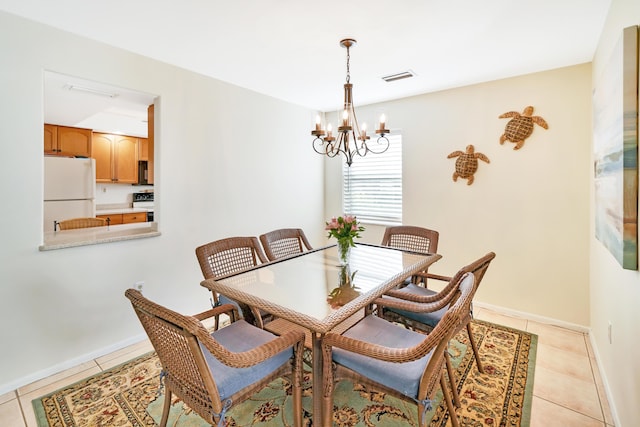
[{"x": 344, "y": 228}]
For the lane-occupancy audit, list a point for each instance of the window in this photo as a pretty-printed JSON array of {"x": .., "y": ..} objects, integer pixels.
[
  {"x": 94, "y": 119},
  {"x": 372, "y": 186}
]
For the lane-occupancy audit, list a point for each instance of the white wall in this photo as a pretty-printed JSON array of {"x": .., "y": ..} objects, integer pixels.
[
  {"x": 615, "y": 292},
  {"x": 107, "y": 194},
  {"x": 228, "y": 162},
  {"x": 530, "y": 207}
]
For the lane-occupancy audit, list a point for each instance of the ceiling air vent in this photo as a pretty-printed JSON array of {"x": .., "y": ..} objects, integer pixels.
[{"x": 398, "y": 76}]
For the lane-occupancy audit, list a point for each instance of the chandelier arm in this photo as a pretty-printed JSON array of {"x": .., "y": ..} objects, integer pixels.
[
  {"x": 344, "y": 143},
  {"x": 337, "y": 147},
  {"x": 318, "y": 141},
  {"x": 332, "y": 154},
  {"x": 327, "y": 147},
  {"x": 380, "y": 140},
  {"x": 343, "y": 147},
  {"x": 333, "y": 149},
  {"x": 361, "y": 148}
]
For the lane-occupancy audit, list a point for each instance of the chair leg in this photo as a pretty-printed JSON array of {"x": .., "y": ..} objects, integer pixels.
[
  {"x": 257, "y": 317},
  {"x": 368, "y": 310},
  {"x": 327, "y": 411},
  {"x": 328, "y": 383},
  {"x": 214, "y": 303},
  {"x": 297, "y": 407},
  {"x": 166, "y": 407},
  {"x": 475, "y": 348},
  {"x": 452, "y": 379},
  {"x": 296, "y": 377},
  {"x": 216, "y": 324},
  {"x": 447, "y": 398}
]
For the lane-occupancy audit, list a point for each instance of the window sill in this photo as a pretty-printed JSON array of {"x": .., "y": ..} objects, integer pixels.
[
  {"x": 92, "y": 236},
  {"x": 382, "y": 223}
]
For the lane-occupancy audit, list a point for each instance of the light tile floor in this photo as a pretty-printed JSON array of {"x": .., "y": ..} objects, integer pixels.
[{"x": 567, "y": 389}]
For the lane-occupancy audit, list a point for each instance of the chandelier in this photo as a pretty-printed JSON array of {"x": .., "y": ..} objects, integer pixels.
[{"x": 351, "y": 139}]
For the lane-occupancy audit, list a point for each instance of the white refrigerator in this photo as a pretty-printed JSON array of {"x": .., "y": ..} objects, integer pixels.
[{"x": 69, "y": 189}]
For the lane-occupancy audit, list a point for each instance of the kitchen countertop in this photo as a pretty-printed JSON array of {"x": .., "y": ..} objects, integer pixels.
[
  {"x": 91, "y": 236},
  {"x": 121, "y": 211}
]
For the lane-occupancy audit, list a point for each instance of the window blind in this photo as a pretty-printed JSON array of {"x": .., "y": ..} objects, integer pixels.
[{"x": 372, "y": 186}]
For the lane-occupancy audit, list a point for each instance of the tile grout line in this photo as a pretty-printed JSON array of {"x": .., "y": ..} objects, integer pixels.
[
  {"x": 24, "y": 416},
  {"x": 604, "y": 423},
  {"x": 595, "y": 380},
  {"x": 592, "y": 380}
]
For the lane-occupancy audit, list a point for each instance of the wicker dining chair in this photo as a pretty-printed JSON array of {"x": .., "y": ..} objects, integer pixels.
[
  {"x": 401, "y": 362},
  {"x": 211, "y": 372},
  {"x": 414, "y": 239},
  {"x": 422, "y": 309},
  {"x": 81, "y": 223},
  {"x": 231, "y": 255},
  {"x": 284, "y": 242}
]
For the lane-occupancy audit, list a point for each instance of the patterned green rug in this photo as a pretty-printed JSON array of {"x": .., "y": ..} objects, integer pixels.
[{"x": 127, "y": 394}]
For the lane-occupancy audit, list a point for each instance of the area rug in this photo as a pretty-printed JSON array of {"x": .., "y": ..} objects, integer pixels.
[{"x": 127, "y": 395}]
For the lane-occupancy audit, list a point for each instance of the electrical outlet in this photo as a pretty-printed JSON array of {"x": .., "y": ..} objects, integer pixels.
[
  {"x": 139, "y": 285},
  {"x": 610, "y": 332}
]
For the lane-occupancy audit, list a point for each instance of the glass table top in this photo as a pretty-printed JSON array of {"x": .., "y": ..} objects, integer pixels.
[{"x": 314, "y": 289}]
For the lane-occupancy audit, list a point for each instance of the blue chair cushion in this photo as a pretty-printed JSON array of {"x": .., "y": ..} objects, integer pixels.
[
  {"x": 417, "y": 290},
  {"x": 223, "y": 299},
  {"x": 403, "y": 377},
  {"x": 238, "y": 337},
  {"x": 429, "y": 319}
]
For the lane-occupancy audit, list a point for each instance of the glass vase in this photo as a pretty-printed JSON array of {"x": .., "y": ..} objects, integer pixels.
[{"x": 344, "y": 250}]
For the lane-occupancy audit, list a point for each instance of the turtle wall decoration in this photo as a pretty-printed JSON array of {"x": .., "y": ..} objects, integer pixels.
[
  {"x": 520, "y": 127},
  {"x": 467, "y": 163}
]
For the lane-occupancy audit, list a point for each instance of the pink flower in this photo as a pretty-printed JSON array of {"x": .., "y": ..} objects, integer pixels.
[
  {"x": 333, "y": 224},
  {"x": 344, "y": 227}
]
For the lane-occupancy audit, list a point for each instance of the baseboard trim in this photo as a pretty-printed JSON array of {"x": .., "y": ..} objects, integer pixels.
[
  {"x": 605, "y": 382},
  {"x": 68, "y": 364},
  {"x": 534, "y": 317}
]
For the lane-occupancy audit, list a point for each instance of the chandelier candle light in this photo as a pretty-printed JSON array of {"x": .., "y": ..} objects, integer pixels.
[{"x": 351, "y": 138}]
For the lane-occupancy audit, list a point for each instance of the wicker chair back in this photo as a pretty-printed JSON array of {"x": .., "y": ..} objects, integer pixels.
[{"x": 284, "y": 242}]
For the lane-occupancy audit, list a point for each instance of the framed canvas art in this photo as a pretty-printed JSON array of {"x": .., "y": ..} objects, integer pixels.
[{"x": 615, "y": 121}]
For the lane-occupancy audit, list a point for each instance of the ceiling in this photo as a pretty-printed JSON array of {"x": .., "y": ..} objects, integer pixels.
[
  {"x": 72, "y": 101},
  {"x": 289, "y": 49}
]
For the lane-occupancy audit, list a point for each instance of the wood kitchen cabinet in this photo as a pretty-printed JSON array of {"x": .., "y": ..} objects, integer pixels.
[
  {"x": 64, "y": 140},
  {"x": 116, "y": 158},
  {"x": 50, "y": 138},
  {"x": 151, "y": 142},
  {"x": 114, "y": 219},
  {"x": 143, "y": 149},
  {"x": 145, "y": 164},
  {"x": 127, "y": 218}
]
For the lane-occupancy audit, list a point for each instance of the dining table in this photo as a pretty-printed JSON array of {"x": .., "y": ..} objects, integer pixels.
[{"x": 316, "y": 293}]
